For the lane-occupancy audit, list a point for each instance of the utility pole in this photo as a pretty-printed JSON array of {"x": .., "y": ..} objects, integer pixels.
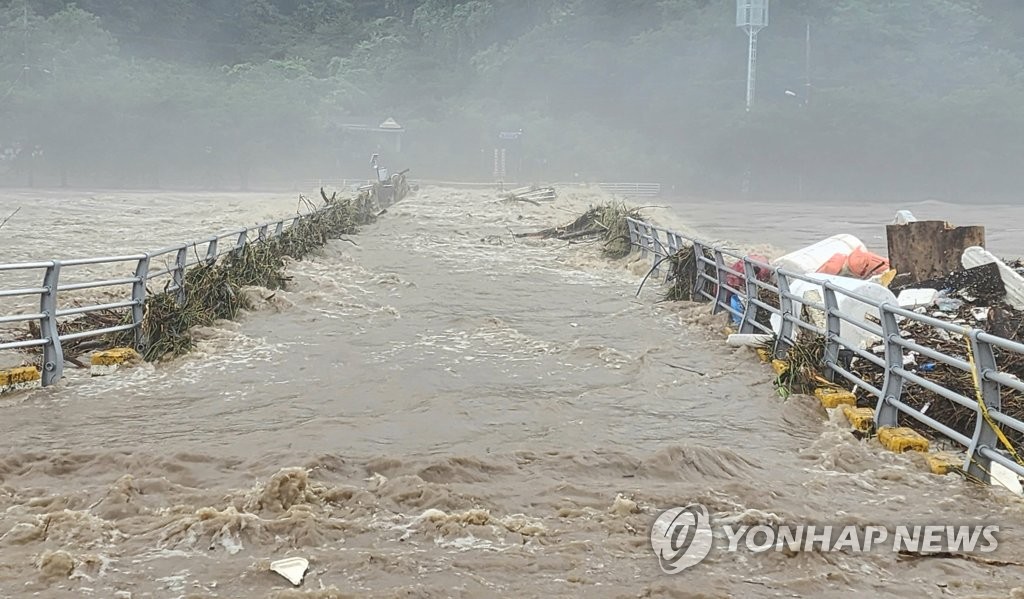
[
  {"x": 24, "y": 22},
  {"x": 807, "y": 66},
  {"x": 751, "y": 17}
]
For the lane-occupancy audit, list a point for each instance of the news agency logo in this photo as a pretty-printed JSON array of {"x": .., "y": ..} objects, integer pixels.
[{"x": 682, "y": 537}]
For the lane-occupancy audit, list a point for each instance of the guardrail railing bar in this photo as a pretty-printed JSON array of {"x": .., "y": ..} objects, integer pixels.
[
  {"x": 53, "y": 353},
  {"x": 20, "y": 292},
  {"x": 889, "y": 404},
  {"x": 20, "y": 317}
]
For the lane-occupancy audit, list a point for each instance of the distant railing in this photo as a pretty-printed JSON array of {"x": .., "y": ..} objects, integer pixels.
[
  {"x": 129, "y": 286},
  {"x": 632, "y": 190},
  {"x": 627, "y": 190},
  {"x": 979, "y": 360}
]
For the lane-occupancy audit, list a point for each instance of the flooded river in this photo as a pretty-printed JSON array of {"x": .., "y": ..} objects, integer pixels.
[{"x": 437, "y": 409}]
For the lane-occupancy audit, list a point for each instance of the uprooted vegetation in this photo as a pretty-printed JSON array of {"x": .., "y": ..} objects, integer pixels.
[{"x": 606, "y": 223}]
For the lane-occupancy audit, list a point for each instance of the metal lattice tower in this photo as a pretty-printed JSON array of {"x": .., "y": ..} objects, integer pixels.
[{"x": 752, "y": 17}]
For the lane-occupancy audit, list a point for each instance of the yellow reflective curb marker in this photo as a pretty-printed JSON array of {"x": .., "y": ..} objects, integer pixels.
[
  {"x": 943, "y": 463},
  {"x": 900, "y": 439},
  {"x": 17, "y": 379},
  {"x": 833, "y": 398},
  {"x": 106, "y": 362},
  {"x": 862, "y": 419}
]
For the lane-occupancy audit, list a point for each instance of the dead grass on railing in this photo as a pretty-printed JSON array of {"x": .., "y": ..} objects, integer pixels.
[
  {"x": 214, "y": 291},
  {"x": 683, "y": 275},
  {"x": 805, "y": 359}
]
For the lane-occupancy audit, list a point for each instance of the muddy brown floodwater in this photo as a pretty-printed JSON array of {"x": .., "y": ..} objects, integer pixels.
[{"x": 444, "y": 411}]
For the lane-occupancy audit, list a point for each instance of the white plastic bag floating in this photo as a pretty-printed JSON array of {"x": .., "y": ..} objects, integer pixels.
[
  {"x": 904, "y": 217},
  {"x": 292, "y": 568}
]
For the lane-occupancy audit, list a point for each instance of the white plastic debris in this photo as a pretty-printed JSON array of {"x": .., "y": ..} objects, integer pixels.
[
  {"x": 979, "y": 256},
  {"x": 292, "y": 568},
  {"x": 903, "y": 217},
  {"x": 912, "y": 298},
  {"x": 850, "y": 307},
  {"x": 747, "y": 340},
  {"x": 813, "y": 257},
  {"x": 979, "y": 313}
]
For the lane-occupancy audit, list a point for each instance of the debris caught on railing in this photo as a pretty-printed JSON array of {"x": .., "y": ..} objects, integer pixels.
[
  {"x": 212, "y": 288},
  {"x": 982, "y": 295},
  {"x": 682, "y": 275},
  {"x": 855, "y": 310}
]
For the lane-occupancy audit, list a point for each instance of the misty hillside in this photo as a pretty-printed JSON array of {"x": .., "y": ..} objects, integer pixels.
[{"x": 907, "y": 98}]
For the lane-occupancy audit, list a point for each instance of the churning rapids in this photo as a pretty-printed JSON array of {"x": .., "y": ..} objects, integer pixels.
[{"x": 443, "y": 411}]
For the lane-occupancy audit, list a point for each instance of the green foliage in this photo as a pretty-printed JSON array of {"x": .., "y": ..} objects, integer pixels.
[{"x": 906, "y": 96}]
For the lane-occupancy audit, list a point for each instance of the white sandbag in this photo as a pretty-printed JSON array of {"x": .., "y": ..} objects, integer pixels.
[{"x": 813, "y": 257}]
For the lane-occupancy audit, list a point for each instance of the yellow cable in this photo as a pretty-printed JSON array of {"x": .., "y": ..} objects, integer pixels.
[{"x": 983, "y": 407}]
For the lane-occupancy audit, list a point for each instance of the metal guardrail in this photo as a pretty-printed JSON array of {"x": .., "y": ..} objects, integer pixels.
[
  {"x": 633, "y": 190},
  {"x": 58, "y": 281},
  {"x": 980, "y": 359}
]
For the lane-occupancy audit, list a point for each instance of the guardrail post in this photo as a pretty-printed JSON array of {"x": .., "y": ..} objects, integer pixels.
[
  {"x": 783, "y": 341},
  {"x": 279, "y": 229},
  {"x": 263, "y": 232},
  {"x": 832, "y": 328},
  {"x": 674, "y": 243},
  {"x": 886, "y": 414},
  {"x": 657, "y": 249},
  {"x": 243, "y": 237},
  {"x": 139, "y": 297},
  {"x": 178, "y": 277},
  {"x": 53, "y": 354},
  {"x": 699, "y": 283},
  {"x": 211, "y": 251},
  {"x": 721, "y": 293},
  {"x": 631, "y": 227},
  {"x": 750, "y": 309},
  {"x": 985, "y": 435}
]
